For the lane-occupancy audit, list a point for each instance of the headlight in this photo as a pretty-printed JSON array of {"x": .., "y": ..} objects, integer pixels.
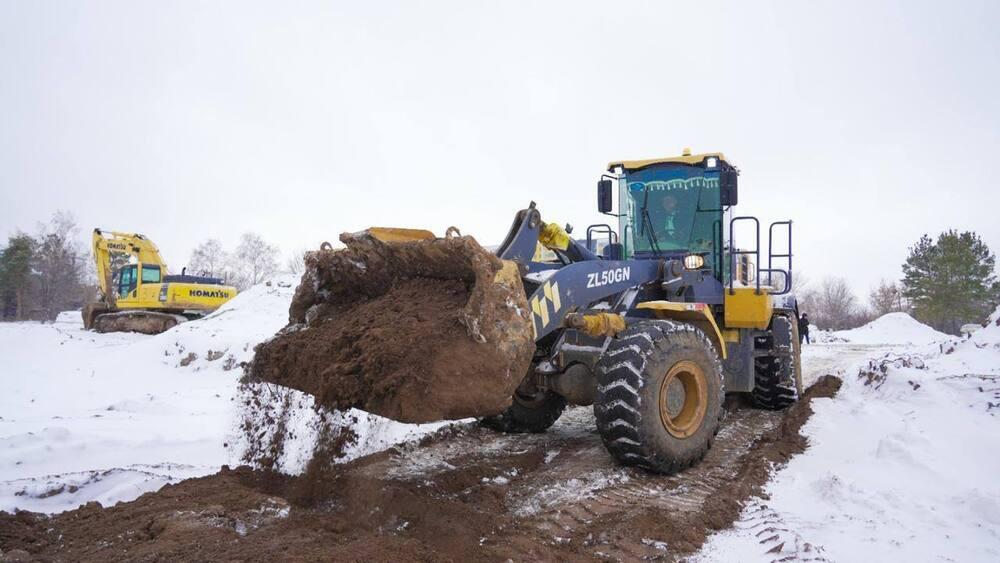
[{"x": 694, "y": 261}]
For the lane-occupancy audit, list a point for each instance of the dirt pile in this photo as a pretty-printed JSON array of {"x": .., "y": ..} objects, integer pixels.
[{"x": 414, "y": 331}]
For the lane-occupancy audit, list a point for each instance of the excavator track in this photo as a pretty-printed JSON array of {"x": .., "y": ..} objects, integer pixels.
[{"x": 145, "y": 322}]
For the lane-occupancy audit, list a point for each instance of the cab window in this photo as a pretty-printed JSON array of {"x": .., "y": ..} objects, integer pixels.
[
  {"x": 150, "y": 274},
  {"x": 126, "y": 280}
]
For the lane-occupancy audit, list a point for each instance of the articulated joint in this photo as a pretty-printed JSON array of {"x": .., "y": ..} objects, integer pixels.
[{"x": 598, "y": 324}]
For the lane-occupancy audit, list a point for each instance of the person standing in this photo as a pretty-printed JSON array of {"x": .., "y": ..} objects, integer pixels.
[{"x": 804, "y": 328}]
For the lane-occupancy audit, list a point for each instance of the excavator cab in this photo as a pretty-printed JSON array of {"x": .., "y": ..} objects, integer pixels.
[{"x": 132, "y": 276}]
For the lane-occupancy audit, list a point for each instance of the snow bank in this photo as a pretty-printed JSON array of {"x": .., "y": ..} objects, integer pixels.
[
  {"x": 87, "y": 416},
  {"x": 990, "y": 334},
  {"x": 894, "y": 328},
  {"x": 107, "y": 417},
  {"x": 902, "y": 463}
]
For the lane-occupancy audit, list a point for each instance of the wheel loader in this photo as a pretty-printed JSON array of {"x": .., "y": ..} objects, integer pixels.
[
  {"x": 137, "y": 295},
  {"x": 651, "y": 319}
]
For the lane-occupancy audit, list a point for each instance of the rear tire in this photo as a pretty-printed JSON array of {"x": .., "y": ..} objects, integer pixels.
[
  {"x": 769, "y": 392},
  {"x": 528, "y": 414},
  {"x": 659, "y": 396}
]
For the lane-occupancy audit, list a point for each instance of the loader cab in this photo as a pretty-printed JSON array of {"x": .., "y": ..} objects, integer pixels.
[
  {"x": 672, "y": 208},
  {"x": 680, "y": 208}
]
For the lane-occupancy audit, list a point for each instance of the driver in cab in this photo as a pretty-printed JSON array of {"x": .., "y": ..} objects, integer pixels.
[{"x": 670, "y": 220}]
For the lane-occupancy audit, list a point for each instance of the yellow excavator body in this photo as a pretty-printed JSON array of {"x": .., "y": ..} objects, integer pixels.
[{"x": 143, "y": 297}]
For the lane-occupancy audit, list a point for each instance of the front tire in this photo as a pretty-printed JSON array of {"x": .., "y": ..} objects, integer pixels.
[{"x": 659, "y": 396}]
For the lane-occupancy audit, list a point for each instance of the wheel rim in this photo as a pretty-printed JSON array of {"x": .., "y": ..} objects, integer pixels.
[{"x": 683, "y": 399}]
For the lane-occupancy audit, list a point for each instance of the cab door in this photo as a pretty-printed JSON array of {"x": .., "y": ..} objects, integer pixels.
[{"x": 127, "y": 280}]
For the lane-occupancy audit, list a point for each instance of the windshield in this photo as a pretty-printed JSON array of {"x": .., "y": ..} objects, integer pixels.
[{"x": 671, "y": 210}]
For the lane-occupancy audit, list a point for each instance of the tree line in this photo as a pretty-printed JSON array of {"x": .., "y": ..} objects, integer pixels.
[
  {"x": 251, "y": 262},
  {"x": 44, "y": 273},
  {"x": 947, "y": 283},
  {"x": 52, "y": 270}
]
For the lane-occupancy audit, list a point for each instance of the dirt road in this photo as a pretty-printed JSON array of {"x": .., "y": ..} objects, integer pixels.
[{"x": 465, "y": 493}]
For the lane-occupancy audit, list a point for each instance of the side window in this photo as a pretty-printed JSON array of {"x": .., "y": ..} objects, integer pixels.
[
  {"x": 150, "y": 274},
  {"x": 126, "y": 280}
]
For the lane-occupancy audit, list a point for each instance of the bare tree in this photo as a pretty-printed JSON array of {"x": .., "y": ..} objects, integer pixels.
[
  {"x": 253, "y": 261},
  {"x": 60, "y": 267},
  {"x": 296, "y": 262},
  {"x": 886, "y": 298},
  {"x": 805, "y": 294},
  {"x": 834, "y": 306},
  {"x": 801, "y": 283},
  {"x": 208, "y": 259}
]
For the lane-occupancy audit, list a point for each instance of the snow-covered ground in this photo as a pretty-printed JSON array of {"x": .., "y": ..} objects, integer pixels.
[
  {"x": 106, "y": 417},
  {"x": 903, "y": 464}
]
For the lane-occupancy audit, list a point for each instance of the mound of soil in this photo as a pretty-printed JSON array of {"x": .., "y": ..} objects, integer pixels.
[
  {"x": 457, "y": 496},
  {"x": 413, "y": 331}
]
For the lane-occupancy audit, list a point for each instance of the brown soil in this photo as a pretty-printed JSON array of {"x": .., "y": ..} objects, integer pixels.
[
  {"x": 462, "y": 494},
  {"x": 415, "y": 331}
]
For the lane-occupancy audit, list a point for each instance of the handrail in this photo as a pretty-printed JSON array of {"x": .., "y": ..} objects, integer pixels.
[
  {"x": 601, "y": 228},
  {"x": 771, "y": 255},
  {"x": 719, "y": 251},
  {"x": 733, "y": 252}
]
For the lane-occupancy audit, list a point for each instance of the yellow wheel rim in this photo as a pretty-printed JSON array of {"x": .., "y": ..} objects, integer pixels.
[{"x": 683, "y": 399}]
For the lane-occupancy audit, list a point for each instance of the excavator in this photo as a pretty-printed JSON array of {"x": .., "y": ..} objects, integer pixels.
[{"x": 136, "y": 294}]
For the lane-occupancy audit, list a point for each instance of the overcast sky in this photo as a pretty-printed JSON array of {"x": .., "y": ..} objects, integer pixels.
[{"x": 867, "y": 123}]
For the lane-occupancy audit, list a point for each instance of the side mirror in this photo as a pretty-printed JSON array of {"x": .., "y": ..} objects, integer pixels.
[
  {"x": 728, "y": 182},
  {"x": 604, "y": 188}
]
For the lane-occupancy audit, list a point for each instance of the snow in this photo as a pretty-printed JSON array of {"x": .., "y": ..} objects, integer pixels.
[
  {"x": 902, "y": 463},
  {"x": 894, "y": 328},
  {"x": 107, "y": 417},
  {"x": 991, "y": 333}
]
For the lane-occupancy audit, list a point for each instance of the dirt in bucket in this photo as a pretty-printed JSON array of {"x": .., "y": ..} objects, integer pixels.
[{"x": 414, "y": 331}]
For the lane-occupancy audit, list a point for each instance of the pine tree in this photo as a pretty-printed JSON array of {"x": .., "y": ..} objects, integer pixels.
[
  {"x": 951, "y": 282},
  {"x": 16, "y": 276}
]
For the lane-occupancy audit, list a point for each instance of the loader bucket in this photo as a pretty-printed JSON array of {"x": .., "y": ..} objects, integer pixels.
[{"x": 406, "y": 326}]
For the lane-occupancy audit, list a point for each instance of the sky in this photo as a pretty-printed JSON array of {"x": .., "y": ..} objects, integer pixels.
[{"x": 866, "y": 123}]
